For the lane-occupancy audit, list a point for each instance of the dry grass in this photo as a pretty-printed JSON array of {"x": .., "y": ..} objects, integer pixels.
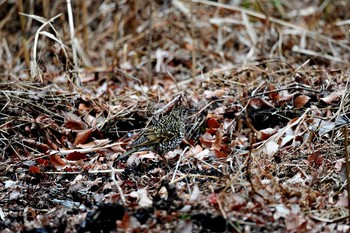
[{"x": 265, "y": 148}]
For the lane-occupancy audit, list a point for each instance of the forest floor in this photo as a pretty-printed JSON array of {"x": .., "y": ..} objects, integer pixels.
[{"x": 265, "y": 146}]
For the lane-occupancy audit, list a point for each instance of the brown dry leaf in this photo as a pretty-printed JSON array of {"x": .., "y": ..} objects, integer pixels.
[
  {"x": 90, "y": 120},
  {"x": 142, "y": 198},
  {"x": 301, "y": 100},
  {"x": 219, "y": 93},
  {"x": 43, "y": 162},
  {"x": 218, "y": 140},
  {"x": 75, "y": 156},
  {"x": 124, "y": 223},
  {"x": 219, "y": 154},
  {"x": 34, "y": 169},
  {"x": 213, "y": 123},
  {"x": 118, "y": 148},
  {"x": 258, "y": 103},
  {"x": 273, "y": 95},
  {"x": 83, "y": 107},
  {"x": 315, "y": 159},
  {"x": 207, "y": 139},
  {"x": 72, "y": 121},
  {"x": 285, "y": 97},
  {"x": 94, "y": 143},
  {"x": 52, "y": 145},
  {"x": 57, "y": 162},
  {"x": 38, "y": 145},
  {"x": 82, "y": 137},
  {"x": 188, "y": 46},
  {"x": 334, "y": 96},
  {"x": 266, "y": 133},
  {"x": 292, "y": 222}
]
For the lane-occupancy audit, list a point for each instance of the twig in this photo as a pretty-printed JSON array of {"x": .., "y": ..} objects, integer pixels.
[
  {"x": 178, "y": 164},
  {"x": 150, "y": 43},
  {"x": 120, "y": 190},
  {"x": 193, "y": 68},
  {"x": 72, "y": 37},
  {"x": 347, "y": 165},
  {"x": 24, "y": 39}
]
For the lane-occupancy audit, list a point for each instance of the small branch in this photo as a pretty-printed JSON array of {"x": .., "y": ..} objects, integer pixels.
[
  {"x": 120, "y": 190},
  {"x": 193, "y": 46},
  {"x": 72, "y": 37},
  {"x": 149, "y": 81},
  {"x": 347, "y": 165},
  {"x": 178, "y": 164}
]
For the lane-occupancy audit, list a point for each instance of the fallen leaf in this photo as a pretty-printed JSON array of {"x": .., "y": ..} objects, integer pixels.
[
  {"x": 316, "y": 159},
  {"x": 39, "y": 145},
  {"x": 142, "y": 198},
  {"x": 34, "y": 169},
  {"x": 258, "y": 103},
  {"x": 213, "y": 123},
  {"x": 75, "y": 156},
  {"x": 273, "y": 95},
  {"x": 72, "y": 121},
  {"x": 82, "y": 137},
  {"x": 43, "y": 162},
  {"x": 57, "y": 162},
  {"x": 271, "y": 148},
  {"x": 219, "y": 154},
  {"x": 207, "y": 139},
  {"x": 218, "y": 140},
  {"x": 301, "y": 100},
  {"x": 334, "y": 96}
]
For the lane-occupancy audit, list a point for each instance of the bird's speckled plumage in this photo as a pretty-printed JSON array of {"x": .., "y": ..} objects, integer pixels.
[{"x": 164, "y": 135}]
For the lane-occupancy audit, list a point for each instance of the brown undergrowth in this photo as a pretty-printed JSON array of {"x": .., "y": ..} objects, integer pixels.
[{"x": 264, "y": 148}]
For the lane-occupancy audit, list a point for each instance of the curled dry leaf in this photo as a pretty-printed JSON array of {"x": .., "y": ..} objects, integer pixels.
[
  {"x": 207, "y": 139},
  {"x": 285, "y": 97},
  {"x": 218, "y": 140},
  {"x": 271, "y": 148},
  {"x": 75, "y": 156},
  {"x": 301, "y": 100},
  {"x": 315, "y": 159},
  {"x": 219, "y": 154},
  {"x": 57, "y": 162},
  {"x": 334, "y": 96},
  {"x": 125, "y": 222},
  {"x": 38, "y": 145},
  {"x": 83, "y": 107},
  {"x": 82, "y": 137},
  {"x": 259, "y": 103},
  {"x": 52, "y": 145},
  {"x": 90, "y": 120},
  {"x": 202, "y": 154},
  {"x": 266, "y": 133},
  {"x": 34, "y": 169},
  {"x": 73, "y": 122},
  {"x": 118, "y": 148},
  {"x": 142, "y": 198},
  {"x": 213, "y": 123},
  {"x": 273, "y": 95},
  {"x": 43, "y": 162}
]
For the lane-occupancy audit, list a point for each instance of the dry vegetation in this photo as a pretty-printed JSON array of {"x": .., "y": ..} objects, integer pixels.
[{"x": 265, "y": 152}]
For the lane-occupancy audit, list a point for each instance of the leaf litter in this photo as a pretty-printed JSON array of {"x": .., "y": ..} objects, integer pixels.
[{"x": 264, "y": 148}]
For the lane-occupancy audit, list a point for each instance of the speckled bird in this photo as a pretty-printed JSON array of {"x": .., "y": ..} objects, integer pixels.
[{"x": 165, "y": 135}]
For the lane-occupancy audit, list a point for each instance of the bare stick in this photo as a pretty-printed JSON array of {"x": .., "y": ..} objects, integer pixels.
[
  {"x": 72, "y": 37},
  {"x": 193, "y": 46},
  {"x": 150, "y": 45},
  {"x": 347, "y": 165}
]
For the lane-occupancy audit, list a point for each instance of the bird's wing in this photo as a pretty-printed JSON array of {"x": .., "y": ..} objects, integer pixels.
[{"x": 153, "y": 137}]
